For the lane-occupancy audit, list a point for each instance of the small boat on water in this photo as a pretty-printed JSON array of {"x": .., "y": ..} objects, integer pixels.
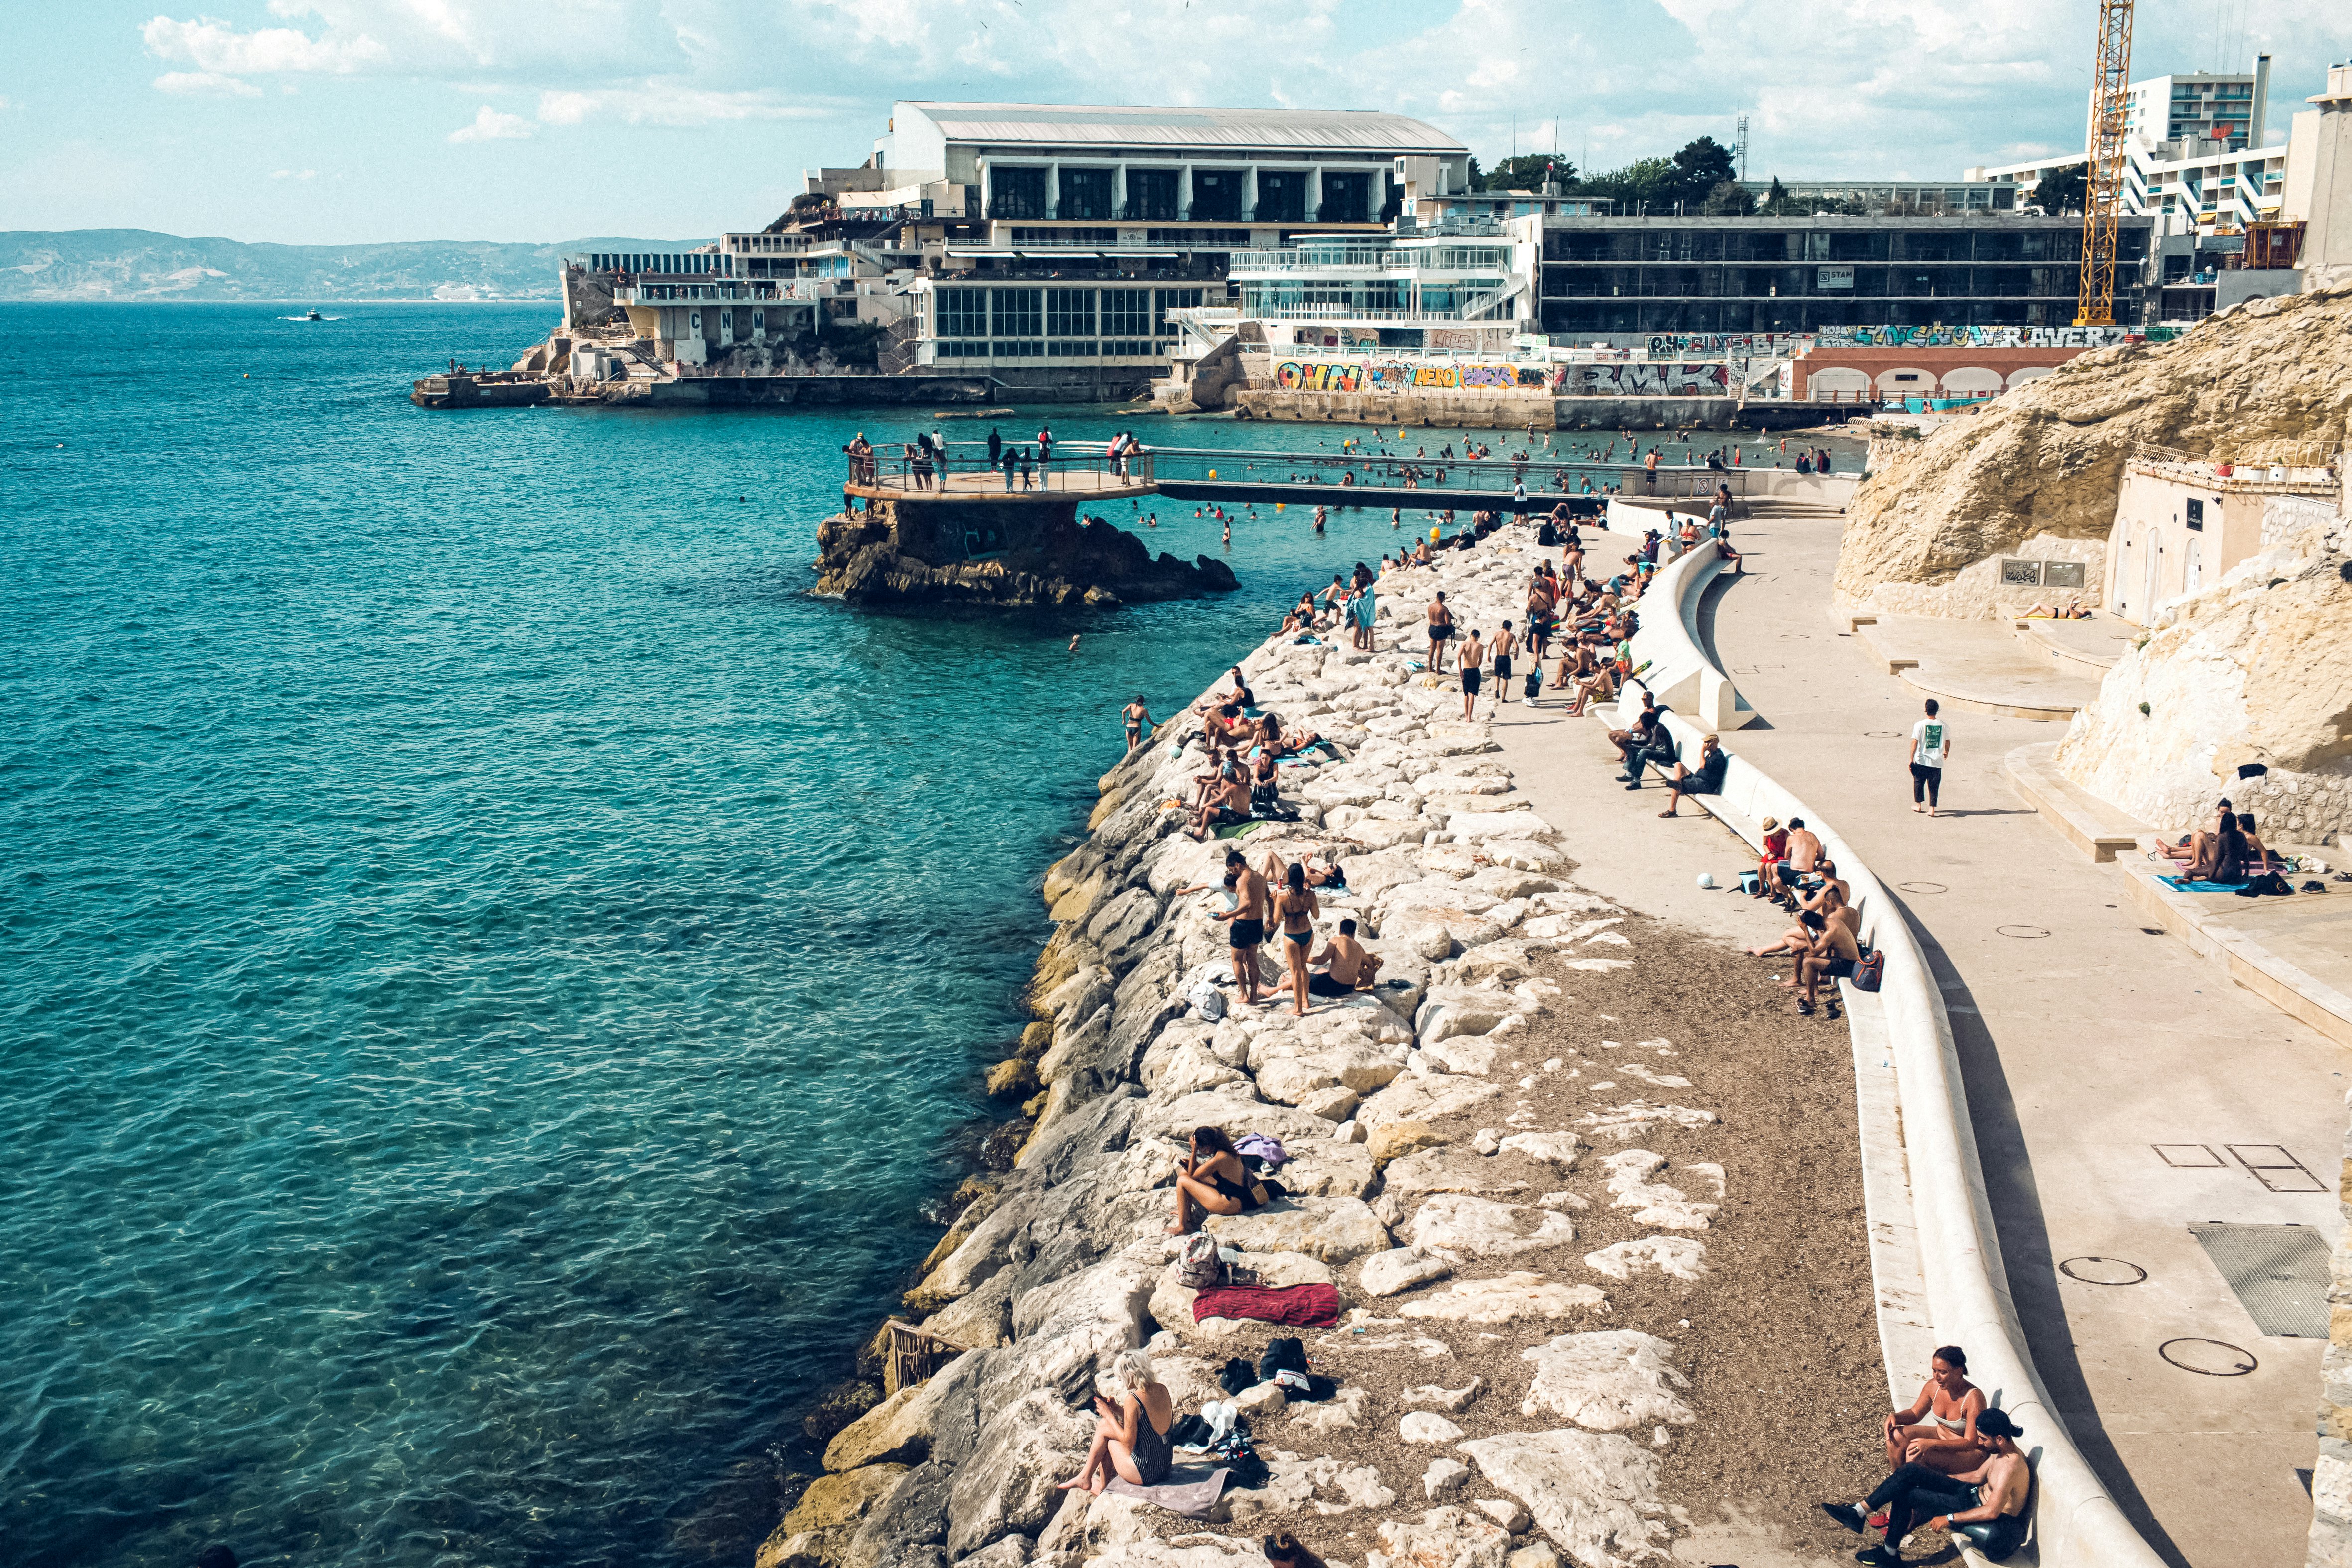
[{"x": 314, "y": 315}]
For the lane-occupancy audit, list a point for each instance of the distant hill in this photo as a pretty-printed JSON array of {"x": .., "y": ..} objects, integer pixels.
[{"x": 138, "y": 264}]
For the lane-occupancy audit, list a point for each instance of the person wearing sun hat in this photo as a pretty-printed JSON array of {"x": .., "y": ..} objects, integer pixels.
[{"x": 1988, "y": 1501}]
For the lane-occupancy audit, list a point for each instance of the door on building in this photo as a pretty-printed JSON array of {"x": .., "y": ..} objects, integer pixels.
[{"x": 2192, "y": 568}]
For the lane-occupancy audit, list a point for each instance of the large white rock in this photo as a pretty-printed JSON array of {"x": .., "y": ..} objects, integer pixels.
[
  {"x": 1504, "y": 1298},
  {"x": 1443, "y": 1478},
  {"x": 1437, "y": 1396},
  {"x": 1613, "y": 1381},
  {"x": 1678, "y": 1255},
  {"x": 1339, "y": 1413},
  {"x": 1558, "y": 1147},
  {"x": 1337, "y": 1230},
  {"x": 1480, "y": 1228},
  {"x": 1445, "y": 1169},
  {"x": 1594, "y": 1493},
  {"x": 1327, "y": 1169},
  {"x": 1401, "y": 1269},
  {"x": 1511, "y": 1514},
  {"x": 1626, "y": 1122},
  {"x": 1442, "y": 1538},
  {"x": 1196, "y": 1551},
  {"x": 1426, "y": 1427},
  {"x": 1654, "y": 1204},
  {"x": 1472, "y": 826},
  {"x": 1424, "y": 1097}
]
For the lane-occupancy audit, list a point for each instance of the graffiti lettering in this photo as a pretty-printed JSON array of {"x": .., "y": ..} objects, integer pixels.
[
  {"x": 1400, "y": 376},
  {"x": 1648, "y": 379}
]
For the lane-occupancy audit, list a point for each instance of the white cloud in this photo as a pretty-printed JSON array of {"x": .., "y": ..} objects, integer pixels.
[
  {"x": 491, "y": 125},
  {"x": 197, "y": 84},
  {"x": 665, "y": 102},
  {"x": 214, "y": 47},
  {"x": 294, "y": 173}
]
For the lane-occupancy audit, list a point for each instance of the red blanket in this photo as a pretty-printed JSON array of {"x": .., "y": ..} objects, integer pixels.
[{"x": 1294, "y": 1305}]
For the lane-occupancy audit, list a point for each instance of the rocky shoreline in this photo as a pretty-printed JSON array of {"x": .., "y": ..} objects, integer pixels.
[
  {"x": 1498, "y": 1193},
  {"x": 1041, "y": 555}
]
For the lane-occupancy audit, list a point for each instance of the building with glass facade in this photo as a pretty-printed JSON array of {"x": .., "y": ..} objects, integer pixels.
[{"x": 1794, "y": 275}]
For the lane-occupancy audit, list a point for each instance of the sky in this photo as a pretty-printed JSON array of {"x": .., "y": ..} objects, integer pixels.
[{"x": 353, "y": 122}]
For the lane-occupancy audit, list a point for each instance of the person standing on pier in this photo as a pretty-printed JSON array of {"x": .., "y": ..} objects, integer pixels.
[
  {"x": 1010, "y": 461},
  {"x": 995, "y": 448},
  {"x": 1045, "y": 444}
]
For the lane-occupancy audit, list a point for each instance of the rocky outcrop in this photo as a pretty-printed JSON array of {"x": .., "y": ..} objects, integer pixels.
[
  {"x": 916, "y": 552},
  {"x": 1441, "y": 1235},
  {"x": 2037, "y": 472},
  {"x": 2255, "y": 671}
]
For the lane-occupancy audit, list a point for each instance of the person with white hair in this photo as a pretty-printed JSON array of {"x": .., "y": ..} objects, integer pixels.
[{"x": 1132, "y": 1438}]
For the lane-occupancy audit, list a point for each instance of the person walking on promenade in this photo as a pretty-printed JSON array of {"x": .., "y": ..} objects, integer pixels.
[
  {"x": 1931, "y": 746},
  {"x": 1505, "y": 644}
]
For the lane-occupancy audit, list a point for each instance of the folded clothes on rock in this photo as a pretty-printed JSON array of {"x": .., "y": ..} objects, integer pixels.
[{"x": 1296, "y": 1306}]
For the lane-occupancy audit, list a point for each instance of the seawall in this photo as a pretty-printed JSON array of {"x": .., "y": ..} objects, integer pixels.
[{"x": 1464, "y": 1252}]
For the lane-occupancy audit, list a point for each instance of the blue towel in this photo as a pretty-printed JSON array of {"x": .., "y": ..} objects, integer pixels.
[{"x": 2186, "y": 886}]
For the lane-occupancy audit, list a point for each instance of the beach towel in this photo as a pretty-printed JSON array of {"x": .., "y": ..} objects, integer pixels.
[
  {"x": 1188, "y": 1489},
  {"x": 1236, "y": 829},
  {"x": 2186, "y": 886},
  {"x": 1266, "y": 1149},
  {"x": 1294, "y": 1305}
]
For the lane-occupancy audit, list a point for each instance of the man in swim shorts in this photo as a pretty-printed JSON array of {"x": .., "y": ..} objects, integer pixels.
[
  {"x": 1352, "y": 969},
  {"x": 1245, "y": 921}
]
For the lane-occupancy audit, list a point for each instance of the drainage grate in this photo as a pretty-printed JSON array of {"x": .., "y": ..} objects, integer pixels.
[
  {"x": 2276, "y": 1168},
  {"x": 2279, "y": 1271}
]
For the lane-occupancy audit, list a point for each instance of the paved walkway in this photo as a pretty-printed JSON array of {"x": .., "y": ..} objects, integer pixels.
[{"x": 2085, "y": 1042}]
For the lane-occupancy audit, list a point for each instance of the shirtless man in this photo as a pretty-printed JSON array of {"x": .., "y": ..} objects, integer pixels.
[
  {"x": 1229, "y": 803},
  {"x": 1441, "y": 628},
  {"x": 1915, "y": 1497},
  {"x": 1832, "y": 957},
  {"x": 1804, "y": 855},
  {"x": 1832, "y": 902},
  {"x": 1352, "y": 968},
  {"x": 1246, "y": 922},
  {"x": 1504, "y": 646}
]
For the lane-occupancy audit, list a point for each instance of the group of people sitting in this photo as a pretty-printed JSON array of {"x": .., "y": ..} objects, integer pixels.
[
  {"x": 1795, "y": 872},
  {"x": 1956, "y": 1467},
  {"x": 1246, "y": 747},
  {"x": 2228, "y": 850},
  {"x": 1347, "y": 602}
]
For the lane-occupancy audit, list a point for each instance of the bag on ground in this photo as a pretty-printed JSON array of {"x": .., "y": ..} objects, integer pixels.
[
  {"x": 1198, "y": 1267},
  {"x": 1208, "y": 1002},
  {"x": 1870, "y": 971}
]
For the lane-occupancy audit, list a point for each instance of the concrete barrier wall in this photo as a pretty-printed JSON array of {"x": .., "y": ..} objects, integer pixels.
[{"x": 2076, "y": 1524}]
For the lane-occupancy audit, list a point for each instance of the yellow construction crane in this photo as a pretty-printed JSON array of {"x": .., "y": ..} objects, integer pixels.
[{"x": 2102, "y": 180}]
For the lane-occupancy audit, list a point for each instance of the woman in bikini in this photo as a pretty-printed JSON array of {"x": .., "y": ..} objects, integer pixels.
[
  {"x": 1214, "y": 1180},
  {"x": 1296, "y": 908},
  {"x": 1939, "y": 1430},
  {"x": 1132, "y": 1438}
]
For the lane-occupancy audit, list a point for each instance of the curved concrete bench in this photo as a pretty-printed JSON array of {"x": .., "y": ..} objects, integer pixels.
[
  {"x": 1680, "y": 674},
  {"x": 2075, "y": 1523}
]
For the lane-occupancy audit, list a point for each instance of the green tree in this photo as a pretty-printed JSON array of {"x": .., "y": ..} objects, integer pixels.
[
  {"x": 1645, "y": 182},
  {"x": 1699, "y": 167},
  {"x": 1728, "y": 199},
  {"x": 2064, "y": 190}
]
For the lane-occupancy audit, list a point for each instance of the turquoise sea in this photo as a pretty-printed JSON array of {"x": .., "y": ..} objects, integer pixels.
[{"x": 493, "y": 968}]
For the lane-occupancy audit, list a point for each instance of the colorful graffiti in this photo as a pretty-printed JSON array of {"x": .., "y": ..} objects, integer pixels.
[
  {"x": 1648, "y": 379},
  {"x": 1665, "y": 345},
  {"x": 1397, "y": 376},
  {"x": 1989, "y": 337}
]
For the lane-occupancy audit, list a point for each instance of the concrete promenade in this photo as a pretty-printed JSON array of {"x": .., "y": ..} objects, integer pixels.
[{"x": 2101, "y": 1060}]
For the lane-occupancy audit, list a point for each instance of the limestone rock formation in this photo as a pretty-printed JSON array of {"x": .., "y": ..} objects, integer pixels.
[
  {"x": 2037, "y": 472},
  {"x": 1038, "y": 555},
  {"x": 2256, "y": 670}
]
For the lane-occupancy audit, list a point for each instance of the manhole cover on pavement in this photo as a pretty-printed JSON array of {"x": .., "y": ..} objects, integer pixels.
[
  {"x": 2102, "y": 1271},
  {"x": 1882, "y": 734},
  {"x": 2211, "y": 1358},
  {"x": 1923, "y": 886},
  {"x": 2027, "y": 932}
]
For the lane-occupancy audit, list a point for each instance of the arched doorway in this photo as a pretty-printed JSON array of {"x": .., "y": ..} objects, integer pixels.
[
  {"x": 2192, "y": 568},
  {"x": 2154, "y": 552}
]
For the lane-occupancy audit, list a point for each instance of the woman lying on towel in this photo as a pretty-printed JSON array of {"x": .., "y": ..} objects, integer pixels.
[
  {"x": 1214, "y": 1180},
  {"x": 1276, "y": 743},
  {"x": 1132, "y": 1438}
]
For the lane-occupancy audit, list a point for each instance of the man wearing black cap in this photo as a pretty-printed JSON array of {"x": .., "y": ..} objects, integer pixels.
[{"x": 1994, "y": 1494}]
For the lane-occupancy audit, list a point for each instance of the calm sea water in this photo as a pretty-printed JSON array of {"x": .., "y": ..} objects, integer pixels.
[{"x": 493, "y": 967}]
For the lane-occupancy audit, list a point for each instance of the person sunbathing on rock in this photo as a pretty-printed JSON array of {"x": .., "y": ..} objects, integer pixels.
[
  {"x": 1214, "y": 1180},
  {"x": 1274, "y": 741},
  {"x": 1349, "y": 967},
  {"x": 1132, "y": 1438},
  {"x": 1239, "y": 696},
  {"x": 1229, "y": 805}
]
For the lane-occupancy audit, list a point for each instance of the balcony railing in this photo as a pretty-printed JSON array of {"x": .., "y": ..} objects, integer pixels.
[{"x": 964, "y": 468}]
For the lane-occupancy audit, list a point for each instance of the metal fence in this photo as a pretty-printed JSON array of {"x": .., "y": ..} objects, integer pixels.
[
  {"x": 1388, "y": 475},
  {"x": 966, "y": 466}
]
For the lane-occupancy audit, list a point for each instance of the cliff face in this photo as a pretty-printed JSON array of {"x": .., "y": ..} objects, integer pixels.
[
  {"x": 1040, "y": 556},
  {"x": 2037, "y": 472},
  {"x": 2257, "y": 669}
]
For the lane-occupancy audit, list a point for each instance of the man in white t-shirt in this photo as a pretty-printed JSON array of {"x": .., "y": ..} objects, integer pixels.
[{"x": 1931, "y": 748}]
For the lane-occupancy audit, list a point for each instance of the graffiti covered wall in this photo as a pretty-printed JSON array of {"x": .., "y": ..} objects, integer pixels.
[
  {"x": 1397, "y": 376},
  {"x": 1990, "y": 337},
  {"x": 1648, "y": 379}
]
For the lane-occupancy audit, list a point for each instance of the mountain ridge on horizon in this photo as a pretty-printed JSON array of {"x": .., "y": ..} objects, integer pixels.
[{"x": 65, "y": 266}]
